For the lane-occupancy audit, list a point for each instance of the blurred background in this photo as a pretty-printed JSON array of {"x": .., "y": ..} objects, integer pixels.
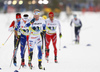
[{"x": 11, "y": 6}]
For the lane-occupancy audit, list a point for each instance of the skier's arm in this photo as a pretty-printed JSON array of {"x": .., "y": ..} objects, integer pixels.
[
  {"x": 31, "y": 22},
  {"x": 80, "y": 23},
  {"x": 71, "y": 23},
  {"x": 11, "y": 27}
]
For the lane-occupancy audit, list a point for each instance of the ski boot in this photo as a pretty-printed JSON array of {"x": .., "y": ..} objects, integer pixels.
[
  {"x": 30, "y": 59},
  {"x": 40, "y": 66},
  {"x": 30, "y": 65},
  {"x": 55, "y": 59},
  {"x": 14, "y": 61},
  {"x": 22, "y": 63},
  {"x": 77, "y": 41},
  {"x": 46, "y": 55}
]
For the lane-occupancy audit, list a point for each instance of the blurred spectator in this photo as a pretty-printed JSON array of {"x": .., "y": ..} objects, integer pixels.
[
  {"x": 5, "y": 8},
  {"x": 74, "y": 5},
  {"x": 68, "y": 10},
  {"x": 77, "y": 6}
]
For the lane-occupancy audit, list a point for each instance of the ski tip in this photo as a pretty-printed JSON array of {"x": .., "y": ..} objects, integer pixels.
[
  {"x": 88, "y": 45},
  {"x": 16, "y": 71},
  {"x": 64, "y": 47}
]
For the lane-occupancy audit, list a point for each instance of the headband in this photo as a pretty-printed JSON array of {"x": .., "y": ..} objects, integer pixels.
[{"x": 36, "y": 13}]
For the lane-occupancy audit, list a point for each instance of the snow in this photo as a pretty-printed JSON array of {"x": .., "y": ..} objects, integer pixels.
[{"x": 73, "y": 58}]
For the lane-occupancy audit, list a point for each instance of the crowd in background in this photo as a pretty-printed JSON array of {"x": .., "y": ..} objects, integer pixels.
[{"x": 53, "y": 5}]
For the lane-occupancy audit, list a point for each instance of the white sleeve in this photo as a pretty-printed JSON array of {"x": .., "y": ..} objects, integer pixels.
[
  {"x": 11, "y": 29},
  {"x": 59, "y": 26}
]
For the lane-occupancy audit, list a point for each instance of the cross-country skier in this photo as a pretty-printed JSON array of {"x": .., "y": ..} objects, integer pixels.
[
  {"x": 51, "y": 25},
  {"x": 78, "y": 24},
  {"x": 16, "y": 42},
  {"x": 35, "y": 37},
  {"x": 24, "y": 36}
]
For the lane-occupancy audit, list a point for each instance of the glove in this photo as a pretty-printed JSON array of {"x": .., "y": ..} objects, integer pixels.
[
  {"x": 44, "y": 32},
  {"x": 27, "y": 25},
  {"x": 60, "y": 35},
  {"x": 18, "y": 37},
  {"x": 32, "y": 21},
  {"x": 78, "y": 31},
  {"x": 11, "y": 29}
]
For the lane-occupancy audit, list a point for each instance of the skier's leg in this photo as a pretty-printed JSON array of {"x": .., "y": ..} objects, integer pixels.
[
  {"x": 39, "y": 46},
  {"x": 75, "y": 33},
  {"x": 48, "y": 39},
  {"x": 27, "y": 37},
  {"x": 31, "y": 47},
  {"x": 78, "y": 37},
  {"x": 23, "y": 42},
  {"x": 16, "y": 44},
  {"x": 54, "y": 41}
]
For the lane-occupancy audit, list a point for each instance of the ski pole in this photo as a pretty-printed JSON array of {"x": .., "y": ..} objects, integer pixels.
[
  {"x": 43, "y": 43},
  {"x": 12, "y": 57},
  {"x": 60, "y": 36},
  {"x": 7, "y": 39},
  {"x": 14, "y": 53},
  {"x": 59, "y": 43}
]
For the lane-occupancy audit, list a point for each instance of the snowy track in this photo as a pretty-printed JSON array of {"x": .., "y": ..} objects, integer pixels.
[{"x": 74, "y": 58}]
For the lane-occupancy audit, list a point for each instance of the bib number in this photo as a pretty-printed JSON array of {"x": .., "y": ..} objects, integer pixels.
[
  {"x": 36, "y": 28},
  {"x": 51, "y": 28},
  {"x": 26, "y": 30}
]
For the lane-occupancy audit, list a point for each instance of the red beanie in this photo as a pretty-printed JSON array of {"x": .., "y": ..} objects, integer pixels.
[
  {"x": 18, "y": 16},
  {"x": 51, "y": 14}
]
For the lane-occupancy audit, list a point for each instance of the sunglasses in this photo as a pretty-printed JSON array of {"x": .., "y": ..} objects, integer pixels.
[
  {"x": 37, "y": 13},
  {"x": 18, "y": 18}
]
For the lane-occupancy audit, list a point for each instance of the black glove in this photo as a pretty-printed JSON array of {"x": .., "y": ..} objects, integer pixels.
[
  {"x": 33, "y": 20},
  {"x": 44, "y": 32},
  {"x": 18, "y": 37}
]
